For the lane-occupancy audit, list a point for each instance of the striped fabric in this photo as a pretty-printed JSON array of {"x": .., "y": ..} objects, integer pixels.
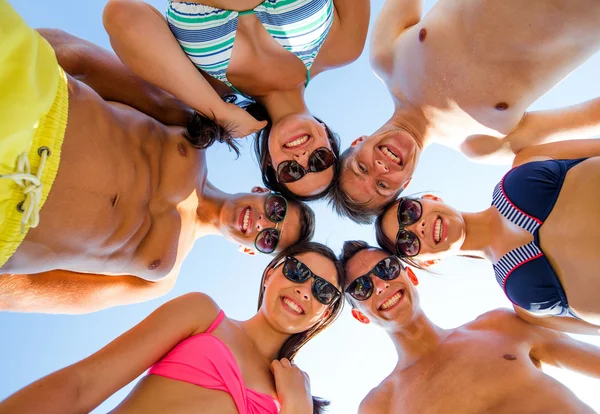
[
  {"x": 207, "y": 34},
  {"x": 523, "y": 254}
]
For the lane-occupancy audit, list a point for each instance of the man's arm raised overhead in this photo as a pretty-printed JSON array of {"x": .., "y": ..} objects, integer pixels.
[
  {"x": 112, "y": 80},
  {"x": 394, "y": 18},
  {"x": 60, "y": 291}
]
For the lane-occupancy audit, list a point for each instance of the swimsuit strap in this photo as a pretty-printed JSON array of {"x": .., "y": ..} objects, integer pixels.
[{"x": 216, "y": 322}]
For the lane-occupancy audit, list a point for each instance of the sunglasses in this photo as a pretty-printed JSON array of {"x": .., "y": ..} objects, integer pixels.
[
  {"x": 297, "y": 272},
  {"x": 407, "y": 242},
  {"x": 290, "y": 171},
  {"x": 362, "y": 287},
  {"x": 275, "y": 209}
]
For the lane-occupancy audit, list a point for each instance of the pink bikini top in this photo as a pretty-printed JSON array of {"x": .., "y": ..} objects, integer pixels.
[{"x": 204, "y": 360}]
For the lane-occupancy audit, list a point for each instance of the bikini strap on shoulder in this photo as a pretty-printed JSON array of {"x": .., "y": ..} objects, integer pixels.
[{"x": 216, "y": 322}]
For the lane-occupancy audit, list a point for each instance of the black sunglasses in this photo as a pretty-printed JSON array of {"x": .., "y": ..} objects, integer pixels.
[
  {"x": 275, "y": 209},
  {"x": 407, "y": 242},
  {"x": 298, "y": 272},
  {"x": 362, "y": 287},
  {"x": 290, "y": 171}
]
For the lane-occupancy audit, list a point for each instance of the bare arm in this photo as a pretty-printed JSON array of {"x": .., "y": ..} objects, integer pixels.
[
  {"x": 559, "y": 323},
  {"x": 541, "y": 127},
  {"x": 112, "y": 80},
  {"x": 346, "y": 41},
  {"x": 537, "y": 129},
  {"x": 81, "y": 387},
  {"x": 558, "y": 349},
  {"x": 140, "y": 36},
  {"x": 565, "y": 150},
  {"x": 394, "y": 18},
  {"x": 60, "y": 291}
]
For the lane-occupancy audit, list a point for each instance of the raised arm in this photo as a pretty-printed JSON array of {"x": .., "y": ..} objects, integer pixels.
[
  {"x": 60, "y": 291},
  {"x": 395, "y": 17},
  {"x": 112, "y": 80},
  {"x": 140, "y": 36},
  {"x": 541, "y": 127},
  {"x": 559, "y": 323},
  {"x": 346, "y": 39},
  {"x": 81, "y": 387},
  {"x": 558, "y": 349},
  {"x": 565, "y": 150}
]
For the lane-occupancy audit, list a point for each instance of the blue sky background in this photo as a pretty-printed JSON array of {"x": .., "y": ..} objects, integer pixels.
[{"x": 353, "y": 102}]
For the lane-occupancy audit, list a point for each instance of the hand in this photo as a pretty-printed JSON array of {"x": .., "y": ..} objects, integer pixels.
[
  {"x": 238, "y": 121},
  {"x": 293, "y": 387}
]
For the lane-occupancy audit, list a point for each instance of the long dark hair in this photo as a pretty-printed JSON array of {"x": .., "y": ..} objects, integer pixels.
[
  {"x": 291, "y": 347},
  {"x": 261, "y": 149},
  {"x": 203, "y": 130}
]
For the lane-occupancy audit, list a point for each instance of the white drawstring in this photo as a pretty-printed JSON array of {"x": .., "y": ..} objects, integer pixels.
[{"x": 32, "y": 188}]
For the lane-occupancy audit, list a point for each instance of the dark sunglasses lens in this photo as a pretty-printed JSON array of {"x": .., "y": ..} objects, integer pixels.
[
  {"x": 408, "y": 244},
  {"x": 320, "y": 160},
  {"x": 361, "y": 288},
  {"x": 296, "y": 271},
  {"x": 276, "y": 208},
  {"x": 410, "y": 211},
  {"x": 324, "y": 291},
  {"x": 267, "y": 240},
  {"x": 290, "y": 171},
  {"x": 388, "y": 269}
]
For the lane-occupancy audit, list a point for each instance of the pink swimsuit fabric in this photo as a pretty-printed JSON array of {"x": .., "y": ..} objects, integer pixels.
[{"x": 204, "y": 360}]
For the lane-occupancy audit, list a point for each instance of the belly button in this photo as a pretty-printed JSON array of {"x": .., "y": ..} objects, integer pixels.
[
  {"x": 509, "y": 357},
  {"x": 422, "y": 34},
  {"x": 182, "y": 149},
  {"x": 502, "y": 106},
  {"x": 154, "y": 265}
]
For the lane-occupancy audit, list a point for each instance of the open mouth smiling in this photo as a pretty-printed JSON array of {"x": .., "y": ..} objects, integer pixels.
[
  {"x": 292, "y": 306},
  {"x": 392, "y": 301}
]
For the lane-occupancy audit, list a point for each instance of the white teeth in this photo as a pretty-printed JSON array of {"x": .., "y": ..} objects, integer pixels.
[
  {"x": 292, "y": 305},
  {"x": 390, "y": 154},
  {"x": 246, "y": 220},
  {"x": 437, "y": 234},
  {"x": 391, "y": 301},
  {"x": 297, "y": 142}
]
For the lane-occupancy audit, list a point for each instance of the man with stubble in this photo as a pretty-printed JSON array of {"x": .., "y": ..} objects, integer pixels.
[
  {"x": 130, "y": 194},
  {"x": 489, "y": 365},
  {"x": 464, "y": 75}
]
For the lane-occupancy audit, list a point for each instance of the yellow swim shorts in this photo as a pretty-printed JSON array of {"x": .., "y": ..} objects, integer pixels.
[{"x": 34, "y": 105}]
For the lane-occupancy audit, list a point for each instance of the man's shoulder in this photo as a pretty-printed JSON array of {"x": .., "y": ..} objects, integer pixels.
[
  {"x": 495, "y": 319},
  {"x": 378, "y": 398}
]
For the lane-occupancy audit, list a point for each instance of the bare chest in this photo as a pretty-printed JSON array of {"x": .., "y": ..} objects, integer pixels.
[
  {"x": 474, "y": 67},
  {"x": 113, "y": 208}
]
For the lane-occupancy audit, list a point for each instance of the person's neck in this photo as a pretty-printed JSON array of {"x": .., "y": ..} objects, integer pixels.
[
  {"x": 480, "y": 231},
  {"x": 267, "y": 340},
  {"x": 283, "y": 103},
  {"x": 209, "y": 210},
  {"x": 416, "y": 339},
  {"x": 413, "y": 121}
]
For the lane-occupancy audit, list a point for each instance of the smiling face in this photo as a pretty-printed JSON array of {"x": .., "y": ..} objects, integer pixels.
[
  {"x": 291, "y": 307},
  {"x": 243, "y": 217},
  {"x": 379, "y": 165},
  {"x": 441, "y": 229},
  {"x": 294, "y": 138},
  {"x": 394, "y": 301}
]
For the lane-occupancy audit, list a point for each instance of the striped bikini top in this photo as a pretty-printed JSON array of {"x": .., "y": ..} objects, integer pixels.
[
  {"x": 206, "y": 34},
  {"x": 526, "y": 196}
]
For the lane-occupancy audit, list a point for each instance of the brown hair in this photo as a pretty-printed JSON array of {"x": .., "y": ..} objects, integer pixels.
[{"x": 295, "y": 342}]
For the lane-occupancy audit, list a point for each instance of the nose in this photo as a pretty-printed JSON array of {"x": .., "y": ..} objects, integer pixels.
[
  {"x": 380, "y": 167},
  {"x": 303, "y": 291},
  {"x": 263, "y": 222},
  {"x": 418, "y": 228},
  {"x": 380, "y": 285},
  {"x": 301, "y": 157}
]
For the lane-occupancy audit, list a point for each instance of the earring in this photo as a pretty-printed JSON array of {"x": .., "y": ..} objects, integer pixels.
[
  {"x": 428, "y": 263},
  {"x": 360, "y": 317},
  {"x": 411, "y": 275}
]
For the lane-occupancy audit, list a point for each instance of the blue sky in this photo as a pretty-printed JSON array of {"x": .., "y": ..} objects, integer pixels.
[{"x": 353, "y": 102}]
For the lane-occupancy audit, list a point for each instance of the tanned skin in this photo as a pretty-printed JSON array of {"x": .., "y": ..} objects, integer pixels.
[
  {"x": 130, "y": 198},
  {"x": 490, "y": 365}
]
